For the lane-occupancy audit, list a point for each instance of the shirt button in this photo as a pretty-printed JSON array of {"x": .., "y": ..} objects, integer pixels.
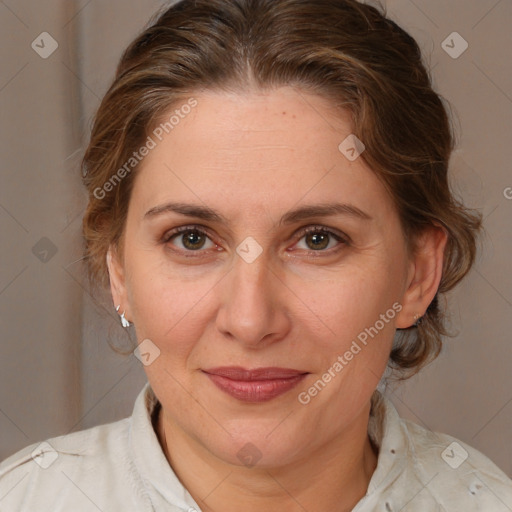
[{"x": 474, "y": 488}]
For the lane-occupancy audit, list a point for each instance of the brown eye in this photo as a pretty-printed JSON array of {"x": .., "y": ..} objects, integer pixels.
[
  {"x": 189, "y": 239},
  {"x": 317, "y": 241},
  {"x": 321, "y": 239},
  {"x": 193, "y": 240}
]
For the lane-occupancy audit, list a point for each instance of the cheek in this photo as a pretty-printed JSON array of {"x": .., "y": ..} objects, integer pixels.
[
  {"x": 169, "y": 307},
  {"x": 350, "y": 299},
  {"x": 359, "y": 307}
]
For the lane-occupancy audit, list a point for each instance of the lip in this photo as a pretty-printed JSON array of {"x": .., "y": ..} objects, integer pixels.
[{"x": 255, "y": 385}]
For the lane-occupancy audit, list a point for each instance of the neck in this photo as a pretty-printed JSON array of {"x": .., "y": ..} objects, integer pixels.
[{"x": 334, "y": 477}]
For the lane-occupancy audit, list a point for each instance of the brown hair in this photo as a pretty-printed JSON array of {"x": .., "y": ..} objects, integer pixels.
[{"x": 345, "y": 51}]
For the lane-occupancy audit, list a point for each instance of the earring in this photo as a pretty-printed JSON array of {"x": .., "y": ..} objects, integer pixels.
[
  {"x": 417, "y": 320},
  {"x": 124, "y": 322}
]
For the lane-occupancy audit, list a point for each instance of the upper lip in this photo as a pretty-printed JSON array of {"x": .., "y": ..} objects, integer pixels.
[{"x": 243, "y": 374}]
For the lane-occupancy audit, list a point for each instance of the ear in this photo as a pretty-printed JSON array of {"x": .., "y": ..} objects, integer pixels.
[
  {"x": 117, "y": 282},
  {"x": 425, "y": 272}
]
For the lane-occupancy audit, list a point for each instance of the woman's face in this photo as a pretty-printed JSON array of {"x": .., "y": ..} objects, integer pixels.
[{"x": 244, "y": 286}]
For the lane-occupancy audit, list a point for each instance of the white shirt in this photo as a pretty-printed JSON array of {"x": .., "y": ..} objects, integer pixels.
[{"x": 121, "y": 467}]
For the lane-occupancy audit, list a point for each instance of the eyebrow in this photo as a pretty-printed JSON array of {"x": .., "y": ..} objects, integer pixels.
[{"x": 295, "y": 215}]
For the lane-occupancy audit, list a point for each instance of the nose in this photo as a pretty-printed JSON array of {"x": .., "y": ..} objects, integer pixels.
[{"x": 253, "y": 308}]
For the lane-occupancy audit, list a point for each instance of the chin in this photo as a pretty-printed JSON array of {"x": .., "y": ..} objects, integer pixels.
[
  {"x": 257, "y": 443},
  {"x": 256, "y": 452}
]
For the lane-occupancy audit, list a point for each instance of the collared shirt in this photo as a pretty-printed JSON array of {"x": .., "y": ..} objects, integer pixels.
[{"x": 121, "y": 467}]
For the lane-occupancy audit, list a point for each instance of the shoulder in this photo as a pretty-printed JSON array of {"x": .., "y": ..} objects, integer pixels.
[
  {"x": 454, "y": 473},
  {"x": 72, "y": 467},
  {"x": 85, "y": 443}
]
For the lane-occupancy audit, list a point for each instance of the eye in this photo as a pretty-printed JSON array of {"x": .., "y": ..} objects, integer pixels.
[
  {"x": 190, "y": 238},
  {"x": 320, "y": 239}
]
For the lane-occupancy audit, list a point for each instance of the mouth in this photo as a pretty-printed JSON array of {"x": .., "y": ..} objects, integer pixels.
[{"x": 256, "y": 385}]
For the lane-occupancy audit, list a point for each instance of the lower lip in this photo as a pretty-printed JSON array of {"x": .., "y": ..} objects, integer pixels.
[{"x": 255, "y": 390}]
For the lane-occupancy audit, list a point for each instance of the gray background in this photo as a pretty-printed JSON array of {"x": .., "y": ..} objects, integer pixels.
[{"x": 57, "y": 371}]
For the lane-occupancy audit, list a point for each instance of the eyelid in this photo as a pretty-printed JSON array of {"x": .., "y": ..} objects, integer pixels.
[
  {"x": 171, "y": 233},
  {"x": 317, "y": 228}
]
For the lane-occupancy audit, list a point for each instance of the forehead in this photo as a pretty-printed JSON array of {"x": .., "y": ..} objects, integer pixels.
[{"x": 272, "y": 149}]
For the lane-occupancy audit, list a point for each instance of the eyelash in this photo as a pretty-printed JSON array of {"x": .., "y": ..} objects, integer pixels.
[{"x": 339, "y": 237}]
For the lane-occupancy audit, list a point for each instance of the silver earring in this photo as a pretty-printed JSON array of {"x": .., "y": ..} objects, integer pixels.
[
  {"x": 124, "y": 322},
  {"x": 417, "y": 320}
]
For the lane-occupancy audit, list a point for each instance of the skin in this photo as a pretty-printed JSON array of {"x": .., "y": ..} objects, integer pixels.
[{"x": 252, "y": 157}]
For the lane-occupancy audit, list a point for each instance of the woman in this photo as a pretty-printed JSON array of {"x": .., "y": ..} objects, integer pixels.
[{"x": 269, "y": 205}]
